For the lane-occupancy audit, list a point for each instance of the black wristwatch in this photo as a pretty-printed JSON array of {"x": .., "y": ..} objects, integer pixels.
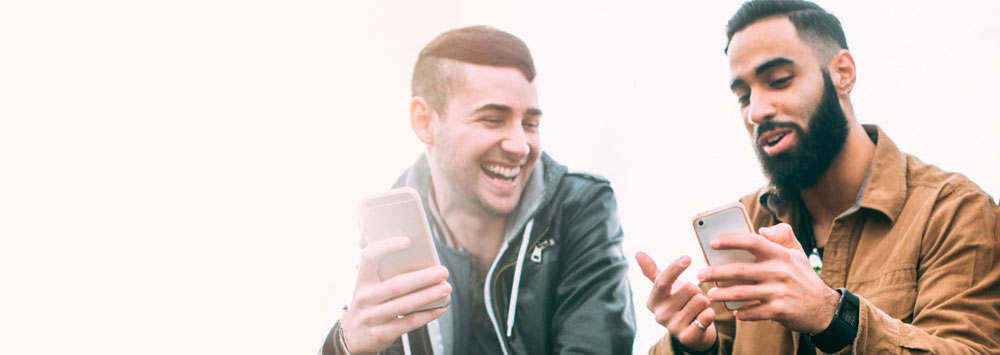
[{"x": 844, "y": 326}]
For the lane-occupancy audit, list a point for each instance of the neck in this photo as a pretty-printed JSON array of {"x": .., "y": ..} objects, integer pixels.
[
  {"x": 477, "y": 231},
  {"x": 838, "y": 189}
]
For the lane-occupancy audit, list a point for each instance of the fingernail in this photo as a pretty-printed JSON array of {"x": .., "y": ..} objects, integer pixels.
[
  {"x": 710, "y": 292},
  {"x": 685, "y": 262},
  {"x": 714, "y": 243},
  {"x": 701, "y": 275}
]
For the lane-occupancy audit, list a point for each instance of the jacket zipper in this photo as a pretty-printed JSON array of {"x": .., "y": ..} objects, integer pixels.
[
  {"x": 493, "y": 284},
  {"x": 536, "y": 254}
]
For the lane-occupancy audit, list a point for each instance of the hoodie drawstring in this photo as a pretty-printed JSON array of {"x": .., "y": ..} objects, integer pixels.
[{"x": 517, "y": 276}]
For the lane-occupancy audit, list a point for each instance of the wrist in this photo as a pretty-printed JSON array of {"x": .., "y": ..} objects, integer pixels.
[
  {"x": 831, "y": 302},
  {"x": 843, "y": 327}
]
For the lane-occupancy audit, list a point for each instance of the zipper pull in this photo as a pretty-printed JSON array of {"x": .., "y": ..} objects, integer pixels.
[{"x": 536, "y": 254}]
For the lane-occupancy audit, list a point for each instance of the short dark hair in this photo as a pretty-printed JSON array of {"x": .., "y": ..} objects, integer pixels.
[
  {"x": 814, "y": 25},
  {"x": 434, "y": 75}
]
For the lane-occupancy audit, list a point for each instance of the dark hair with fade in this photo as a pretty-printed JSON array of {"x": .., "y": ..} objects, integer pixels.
[
  {"x": 813, "y": 24},
  {"x": 435, "y": 77}
]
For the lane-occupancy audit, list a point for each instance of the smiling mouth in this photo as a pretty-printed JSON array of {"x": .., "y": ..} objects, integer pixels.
[
  {"x": 772, "y": 137},
  {"x": 500, "y": 173},
  {"x": 775, "y": 140}
]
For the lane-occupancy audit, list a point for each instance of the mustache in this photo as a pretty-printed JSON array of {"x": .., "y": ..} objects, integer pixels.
[{"x": 769, "y": 125}]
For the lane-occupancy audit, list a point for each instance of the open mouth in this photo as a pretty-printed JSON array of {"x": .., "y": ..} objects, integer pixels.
[
  {"x": 500, "y": 173},
  {"x": 771, "y": 142},
  {"x": 774, "y": 141}
]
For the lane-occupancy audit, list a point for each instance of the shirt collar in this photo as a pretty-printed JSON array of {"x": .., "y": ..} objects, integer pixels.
[{"x": 883, "y": 190}]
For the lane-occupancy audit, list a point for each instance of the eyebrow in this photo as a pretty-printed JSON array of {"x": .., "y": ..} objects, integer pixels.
[
  {"x": 761, "y": 69},
  {"x": 506, "y": 109}
]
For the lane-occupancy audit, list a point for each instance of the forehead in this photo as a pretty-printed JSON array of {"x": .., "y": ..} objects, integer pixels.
[
  {"x": 485, "y": 84},
  {"x": 766, "y": 40}
]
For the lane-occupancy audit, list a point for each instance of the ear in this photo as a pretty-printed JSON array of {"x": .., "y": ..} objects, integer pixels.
[
  {"x": 421, "y": 119},
  {"x": 842, "y": 72}
]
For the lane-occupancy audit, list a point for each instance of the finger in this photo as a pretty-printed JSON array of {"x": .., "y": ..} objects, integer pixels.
[
  {"x": 739, "y": 272},
  {"x": 411, "y": 302},
  {"x": 694, "y": 306},
  {"x": 761, "y": 248},
  {"x": 402, "y": 284},
  {"x": 706, "y": 317},
  {"x": 397, "y": 327},
  {"x": 781, "y": 234},
  {"x": 665, "y": 279},
  {"x": 374, "y": 252},
  {"x": 738, "y": 293},
  {"x": 754, "y": 312},
  {"x": 665, "y": 309},
  {"x": 692, "y": 332},
  {"x": 647, "y": 265}
]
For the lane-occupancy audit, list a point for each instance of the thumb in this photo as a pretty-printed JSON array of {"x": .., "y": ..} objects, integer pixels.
[{"x": 781, "y": 234}]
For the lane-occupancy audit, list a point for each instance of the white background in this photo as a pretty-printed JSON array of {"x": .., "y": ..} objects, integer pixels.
[{"x": 181, "y": 176}]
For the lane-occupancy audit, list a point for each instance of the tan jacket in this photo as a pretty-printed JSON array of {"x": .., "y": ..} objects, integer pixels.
[{"x": 922, "y": 253}]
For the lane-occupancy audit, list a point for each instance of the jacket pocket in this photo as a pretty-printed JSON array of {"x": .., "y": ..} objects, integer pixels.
[{"x": 894, "y": 292}]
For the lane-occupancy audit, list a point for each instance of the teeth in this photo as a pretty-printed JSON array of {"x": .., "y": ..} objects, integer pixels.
[
  {"x": 775, "y": 140},
  {"x": 509, "y": 173}
]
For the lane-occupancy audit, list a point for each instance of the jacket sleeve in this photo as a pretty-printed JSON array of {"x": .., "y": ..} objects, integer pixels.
[
  {"x": 957, "y": 308},
  {"x": 332, "y": 345},
  {"x": 594, "y": 312}
]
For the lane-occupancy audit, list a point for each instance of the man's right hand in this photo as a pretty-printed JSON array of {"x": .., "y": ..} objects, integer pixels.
[
  {"x": 373, "y": 321},
  {"x": 677, "y": 305}
]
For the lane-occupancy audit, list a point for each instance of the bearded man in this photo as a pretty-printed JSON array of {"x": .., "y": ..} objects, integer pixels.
[{"x": 861, "y": 248}]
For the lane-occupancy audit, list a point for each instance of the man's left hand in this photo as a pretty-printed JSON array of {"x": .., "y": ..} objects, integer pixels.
[{"x": 788, "y": 290}]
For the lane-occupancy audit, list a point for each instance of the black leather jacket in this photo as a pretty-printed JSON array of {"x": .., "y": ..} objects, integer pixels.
[{"x": 574, "y": 295}]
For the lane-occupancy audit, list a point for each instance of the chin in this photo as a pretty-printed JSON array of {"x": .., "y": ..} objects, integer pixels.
[{"x": 499, "y": 206}]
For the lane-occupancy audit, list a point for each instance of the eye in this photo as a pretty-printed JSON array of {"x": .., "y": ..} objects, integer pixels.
[
  {"x": 744, "y": 100},
  {"x": 781, "y": 82},
  {"x": 530, "y": 124},
  {"x": 492, "y": 120}
]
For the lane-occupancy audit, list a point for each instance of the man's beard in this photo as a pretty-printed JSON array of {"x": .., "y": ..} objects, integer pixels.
[{"x": 803, "y": 166}]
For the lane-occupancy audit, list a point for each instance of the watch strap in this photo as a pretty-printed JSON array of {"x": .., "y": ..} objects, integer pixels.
[{"x": 844, "y": 326}]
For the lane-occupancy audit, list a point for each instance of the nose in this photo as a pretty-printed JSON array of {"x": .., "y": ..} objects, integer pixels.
[
  {"x": 515, "y": 142},
  {"x": 760, "y": 110}
]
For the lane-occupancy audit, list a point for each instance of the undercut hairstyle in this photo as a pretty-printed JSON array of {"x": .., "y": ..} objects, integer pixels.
[
  {"x": 814, "y": 26},
  {"x": 436, "y": 75}
]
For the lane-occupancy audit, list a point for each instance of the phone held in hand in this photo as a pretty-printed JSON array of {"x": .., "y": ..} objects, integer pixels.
[
  {"x": 728, "y": 219},
  {"x": 400, "y": 213}
]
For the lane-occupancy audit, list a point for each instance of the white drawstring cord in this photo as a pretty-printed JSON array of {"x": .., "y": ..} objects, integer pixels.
[{"x": 517, "y": 277}]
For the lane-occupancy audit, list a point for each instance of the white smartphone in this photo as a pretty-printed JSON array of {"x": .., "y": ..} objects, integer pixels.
[
  {"x": 711, "y": 224},
  {"x": 400, "y": 213}
]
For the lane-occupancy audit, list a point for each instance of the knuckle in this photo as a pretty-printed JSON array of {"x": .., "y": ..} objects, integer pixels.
[
  {"x": 783, "y": 275},
  {"x": 661, "y": 316},
  {"x": 362, "y": 296},
  {"x": 778, "y": 313},
  {"x": 392, "y": 288},
  {"x": 700, "y": 301}
]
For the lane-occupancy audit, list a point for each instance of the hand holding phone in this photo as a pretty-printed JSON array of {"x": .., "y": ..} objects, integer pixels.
[
  {"x": 709, "y": 225},
  {"x": 401, "y": 285},
  {"x": 400, "y": 212},
  {"x": 780, "y": 282}
]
